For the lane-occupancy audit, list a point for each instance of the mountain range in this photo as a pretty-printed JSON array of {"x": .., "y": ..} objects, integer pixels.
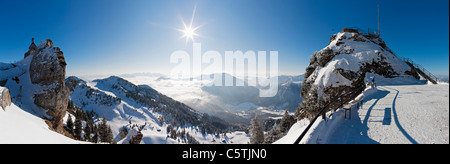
[
  {"x": 38, "y": 89},
  {"x": 236, "y": 104}
]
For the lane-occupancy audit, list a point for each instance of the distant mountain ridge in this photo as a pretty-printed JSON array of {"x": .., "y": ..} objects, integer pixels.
[
  {"x": 237, "y": 104},
  {"x": 123, "y": 102}
]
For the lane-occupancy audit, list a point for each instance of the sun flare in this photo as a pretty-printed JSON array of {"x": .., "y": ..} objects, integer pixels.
[{"x": 189, "y": 31}]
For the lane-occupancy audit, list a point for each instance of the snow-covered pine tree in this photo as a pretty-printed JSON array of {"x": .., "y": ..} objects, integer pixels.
[
  {"x": 308, "y": 109},
  {"x": 273, "y": 135},
  {"x": 123, "y": 132},
  {"x": 285, "y": 123},
  {"x": 256, "y": 131}
]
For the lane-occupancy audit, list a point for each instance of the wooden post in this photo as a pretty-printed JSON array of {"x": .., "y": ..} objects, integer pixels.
[{"x": 323, "y": 116}]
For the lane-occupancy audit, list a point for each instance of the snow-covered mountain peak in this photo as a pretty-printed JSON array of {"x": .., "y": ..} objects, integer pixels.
[
  {"x": 124, "y": 103},
  {"x": 349, "y": 61}
]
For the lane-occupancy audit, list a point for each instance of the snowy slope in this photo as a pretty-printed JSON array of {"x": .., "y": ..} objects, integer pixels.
[
  {"x": 20, "y": 127},
  {"x": 390, "y": 114},
  {"x": 123, "y": 102}
]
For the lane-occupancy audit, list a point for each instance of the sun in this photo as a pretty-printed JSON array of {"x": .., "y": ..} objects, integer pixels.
[{"x": 189, "y": 31}]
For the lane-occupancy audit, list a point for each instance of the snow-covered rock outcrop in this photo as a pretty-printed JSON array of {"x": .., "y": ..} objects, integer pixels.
[
  {"x": 48, "y": 69},
  {"x": 5, "y": 98},
  {"x": 37, "y": 83},
  {"x": 350, "y": 59}
]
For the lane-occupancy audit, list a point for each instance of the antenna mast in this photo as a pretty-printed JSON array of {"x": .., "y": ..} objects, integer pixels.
[{"x": 378, "y": 5}]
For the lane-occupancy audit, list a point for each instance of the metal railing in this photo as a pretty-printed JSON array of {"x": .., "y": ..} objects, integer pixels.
[
  {"x": 419, "y": 67},
  {"x": 323, "y": 110},
  {"x": 355, "y": 92}
]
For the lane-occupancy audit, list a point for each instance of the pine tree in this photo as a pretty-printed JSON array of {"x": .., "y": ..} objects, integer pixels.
[
  {"x": 256, "y": 131},
  {"x": 94, "y": 138},
  {"x": 69, "y": 125},
  {"x": 105, "y": 132},
  {"x": 102, "y": 130},
  {"x": 78, "y": 129},
  {"x": 123, "y": 132},
  {"x": 285, "y": 123},
  {"x": 173, "y": 134},
  {"x": 109, "y": 135},
  {"x": 88, "y": 131},
  {"x": 273, "y": 135}
]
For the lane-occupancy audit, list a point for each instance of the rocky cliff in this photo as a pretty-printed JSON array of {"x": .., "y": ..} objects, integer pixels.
[
  {"x": 37, "y": 83},
  {"x": 48, "y": 68},
  {"x": 347, "y": 63}
]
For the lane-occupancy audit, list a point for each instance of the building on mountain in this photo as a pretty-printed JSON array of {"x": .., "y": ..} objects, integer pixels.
[{"x": 31, "y": 50}]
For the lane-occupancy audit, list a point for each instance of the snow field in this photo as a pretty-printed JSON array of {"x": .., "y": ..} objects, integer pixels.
[
  {"x": 394, "y": 114},
  {"x": 20, "y": 127}
]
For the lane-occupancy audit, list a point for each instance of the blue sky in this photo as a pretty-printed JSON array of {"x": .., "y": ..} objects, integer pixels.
[{"x": 130, "y": 36}]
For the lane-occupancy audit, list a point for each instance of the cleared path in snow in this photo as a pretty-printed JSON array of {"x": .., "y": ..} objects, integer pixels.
[{"x": 398, "y": 114}]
